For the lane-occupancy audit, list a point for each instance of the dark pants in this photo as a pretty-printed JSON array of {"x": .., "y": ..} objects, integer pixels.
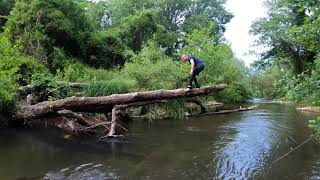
[{"x": 199, "y": 67}]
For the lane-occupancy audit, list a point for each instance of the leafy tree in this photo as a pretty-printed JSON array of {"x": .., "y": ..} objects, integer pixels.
[
  {"x": 152, "y": 69},
  {"x": 290, "y": 33},
  {"x": 97, "y": 14},
  {"x": 38, "y": 26},
  {"x": 265, "y": 82},
  {"x": 177, "y": 18},
  {"x": 112, "y": 47}
]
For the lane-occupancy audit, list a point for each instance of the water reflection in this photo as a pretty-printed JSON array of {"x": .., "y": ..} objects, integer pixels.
[
  {"x": 246, "y": 147},
  {"x": 228, "y": 146},
  {"x": 89, "y": 171}
]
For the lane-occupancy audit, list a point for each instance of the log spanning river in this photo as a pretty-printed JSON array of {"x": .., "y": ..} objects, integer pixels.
[{"x": 240, "y": 145}]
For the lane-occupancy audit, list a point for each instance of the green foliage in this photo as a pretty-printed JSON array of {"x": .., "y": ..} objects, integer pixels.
[
  {"x": 175, "y": 18},
  {"x": 175, "y": 108},
  {"x": 106, "y": 49},
  {"x": 15, "y": 69},
  {"x": 59, "y": 59},
  {"x": 102, "y": 82},
  {"x": 39, "y": 26},
  {"x": 100, "y": 33},
  {"x": 266, "y": 82},
  {"x": 290, "y": 33},
  {"x": 105, "y": 88},
  {"x": 97, "y": 14},
  {"x": 79, "y": 72},
  {"x": 315, "y": 126},
  {"x": 117, "y": 47},
  {"x": 236, "y": 92},
  {"x": 7, "y": 93},
  {"x": 136, "y": 29},
  {"x": 152, "y": 69},
  {"x": 303, "y": 88},
  {"x": 18, "y": 66},
  {"x": 46, "y": 86}
]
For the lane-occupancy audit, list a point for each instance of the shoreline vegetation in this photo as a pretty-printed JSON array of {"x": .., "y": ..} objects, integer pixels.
[{"x": 113, "y": 47}]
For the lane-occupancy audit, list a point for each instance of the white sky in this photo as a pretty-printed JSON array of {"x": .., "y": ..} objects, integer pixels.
[{"x": 237, "y": 33}]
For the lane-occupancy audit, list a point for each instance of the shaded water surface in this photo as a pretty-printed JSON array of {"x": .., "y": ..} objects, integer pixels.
[{"x": 231, "y": 146}]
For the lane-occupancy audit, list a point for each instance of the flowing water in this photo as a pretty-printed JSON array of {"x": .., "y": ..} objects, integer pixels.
[{"x": 231, "y": 146}]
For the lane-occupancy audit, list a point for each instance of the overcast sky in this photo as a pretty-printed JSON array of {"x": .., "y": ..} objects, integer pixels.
[{"x": 237, "y": 33}]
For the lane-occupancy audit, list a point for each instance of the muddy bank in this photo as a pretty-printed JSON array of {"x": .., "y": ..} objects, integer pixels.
[{"x": 311, "y": 109}]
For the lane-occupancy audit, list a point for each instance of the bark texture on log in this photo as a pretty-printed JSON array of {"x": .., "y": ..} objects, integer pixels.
[{"x": 106, "y": 103}]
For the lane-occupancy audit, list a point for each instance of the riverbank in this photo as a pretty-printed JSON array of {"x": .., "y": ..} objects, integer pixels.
[
  {"x": 300, "y": 106},
  {"x": 311, "y": 109}
]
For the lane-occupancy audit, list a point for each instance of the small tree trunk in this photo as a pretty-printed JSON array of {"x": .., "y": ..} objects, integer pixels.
[{"x": 113, "y": 122}]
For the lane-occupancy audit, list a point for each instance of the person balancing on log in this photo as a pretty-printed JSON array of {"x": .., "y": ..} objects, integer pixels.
[{"x": 197, "y": 66}]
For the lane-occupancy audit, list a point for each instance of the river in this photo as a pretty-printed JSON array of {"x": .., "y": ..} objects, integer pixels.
[{"x": 231, "y": 146}]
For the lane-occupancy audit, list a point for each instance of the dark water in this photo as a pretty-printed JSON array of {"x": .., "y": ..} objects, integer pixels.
[{"x": 233, "y": 146}]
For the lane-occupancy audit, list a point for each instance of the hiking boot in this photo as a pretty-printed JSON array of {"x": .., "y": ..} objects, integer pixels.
[{"x": 189, "y": 86}]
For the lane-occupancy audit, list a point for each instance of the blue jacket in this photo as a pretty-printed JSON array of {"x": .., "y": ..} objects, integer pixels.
[{"x": 195, "y": 59}]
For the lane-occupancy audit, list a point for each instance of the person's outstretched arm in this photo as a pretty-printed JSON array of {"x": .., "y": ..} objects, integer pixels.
[{"x": 192, "y": 67}]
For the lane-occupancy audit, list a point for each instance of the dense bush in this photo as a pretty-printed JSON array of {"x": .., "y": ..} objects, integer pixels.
[
  {"x": 46, "y": 86},
  {"x": 314, "y": 124},
  {"x": 152, "y": 69},
  {"x": 7, "y": 93},
  {"x": 39, "y": 26},
  {"x": 266, "y": 84},
  {"x": 15, "y": 70},
  {"x": 302, "y": 88},
  {"x": 79, "y": 72},
  {"x": 19, "y": 67}
]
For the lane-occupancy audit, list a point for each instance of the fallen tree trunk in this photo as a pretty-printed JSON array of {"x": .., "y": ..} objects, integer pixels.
[
  {"x": 105, "y": 104},
  {"x": 231, "y": 111}
]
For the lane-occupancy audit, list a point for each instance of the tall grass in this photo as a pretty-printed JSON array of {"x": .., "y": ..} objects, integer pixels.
[
  {"x": 176, "y": 108},
  {"x": 105, "y": 88}
]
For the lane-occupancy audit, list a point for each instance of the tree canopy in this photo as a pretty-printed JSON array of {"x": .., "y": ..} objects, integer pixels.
[{"x": 291, "y": 34}]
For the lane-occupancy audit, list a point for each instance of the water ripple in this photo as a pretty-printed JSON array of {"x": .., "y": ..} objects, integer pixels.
[{"x": 88, "y": 171}]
